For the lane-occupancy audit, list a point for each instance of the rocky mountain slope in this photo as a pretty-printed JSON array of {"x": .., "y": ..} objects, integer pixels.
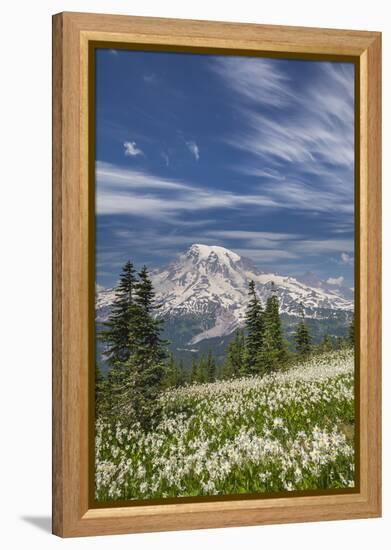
[{"x": 203, "y": 293}]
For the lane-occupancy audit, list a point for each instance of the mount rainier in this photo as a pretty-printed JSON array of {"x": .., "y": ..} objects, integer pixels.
[{"x": 203, "y": 295}]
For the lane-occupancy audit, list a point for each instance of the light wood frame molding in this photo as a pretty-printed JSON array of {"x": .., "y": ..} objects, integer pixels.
[{"x": 72, "y": 33}]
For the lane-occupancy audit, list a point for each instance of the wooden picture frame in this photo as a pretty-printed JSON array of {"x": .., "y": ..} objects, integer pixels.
[{"x": 72, "y": 35}]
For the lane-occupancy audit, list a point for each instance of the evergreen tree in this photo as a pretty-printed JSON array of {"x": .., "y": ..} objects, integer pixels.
[
  {"x": 180, "y": 373},
  {"x": 352, "y": 332},
  {"x": 210, "y": 368},
  {"x": 194, "y": 371},
  {"x": 115, "y": 334},
  {"x": 136, "y": 353},
  {"x": 254, "y": 328},
  {"x": 326, "y": 344},
  {"x": 201, "y": 370},
  {"x": 273, "y": 353},
  {"x": 225, "y": 370},
  {"x": 170, "y": 376},
  {"x": 340, "y": 343},
  {"x": 302, "y": 337},
  {"x": 101, "y": 393},
  {"x": 120, "y": 384},
  {"x": 147, "y": 363},
  {"x": 234, "y": 364},
  {"x": 267, "y": 357},
  {"x": 272, "y": 316}
]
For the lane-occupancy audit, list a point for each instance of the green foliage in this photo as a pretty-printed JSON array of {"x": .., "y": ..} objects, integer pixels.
[
  {"x": 170, "y": 375},
  {"x": 137, "y": 354},
  {"x": 254, "y": 330},
  {"x": 194, "y": 371},
  {"x": 101, "y": 393},
  {"x": 115, "y": 334},
  {"x": 181, "y": 377},
  {"x": 235, "y": 361},
  {"x": 175, "y": 374},
  {"x": 273, "y": 354},
  {"x": 305, "y": 441},
  {"x": 351, "y": 335},
  {"x": 340, "y": 343},
  {"x": 302, "y": 337},
  {"x": 210, "y": 368},
  {"x": 326, "y": 344},
  {"x": 140, "y": 367}
]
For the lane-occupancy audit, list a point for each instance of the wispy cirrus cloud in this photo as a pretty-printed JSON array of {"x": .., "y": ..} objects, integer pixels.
[
  {"x": 256, "y": 239},
  {"x": 257, "y": 80},
  {"x": 276, "y": 184},
  {"x": 123, "y": 190},
  {"x": 280, "y": 245},
  {"x": 112, "y": 176},
  {"x": 266, "y": 255},
  {"x": 303, "y": 138},
  {"x": 142, "y": 193}
]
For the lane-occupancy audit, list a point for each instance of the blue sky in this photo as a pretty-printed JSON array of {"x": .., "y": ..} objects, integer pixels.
[{"x": 253, "y": 154}]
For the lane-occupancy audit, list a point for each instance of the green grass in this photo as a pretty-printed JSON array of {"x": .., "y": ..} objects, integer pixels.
[{"x": 283, "y": 432}]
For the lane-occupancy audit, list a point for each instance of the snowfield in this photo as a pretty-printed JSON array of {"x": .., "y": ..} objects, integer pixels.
[
  {"x": 211, "y": 282},
  {"x": 283, "y": 432}
]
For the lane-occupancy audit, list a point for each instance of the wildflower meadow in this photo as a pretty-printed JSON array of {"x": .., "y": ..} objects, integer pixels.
[{"x": 285, "y": 431}]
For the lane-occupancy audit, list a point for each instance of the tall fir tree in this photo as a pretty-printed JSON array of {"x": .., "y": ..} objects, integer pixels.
[
  {"x": 352, "y": 331},
  {"x": 326, "y": 344},
  {"x": 273, "y": 353},
  {"x": 302, "y": 337},
  {"x": 115, "y": 333},
  {"x": 147, "y": 362},
  {"x": 234, "y": 364},
  {"x": 201, "y": 370},
  {"x": 254, "y": 328},
  {"x": 170, "y": 375},
  {"x": 340, "y": 343},
  {"x": 117, "y": 346},
  {"x": 194, "y": 371},
  {"x": 180, "y": 373},
  {"x": 101, "y": 393},
  {"x": 210, "y": 368}
]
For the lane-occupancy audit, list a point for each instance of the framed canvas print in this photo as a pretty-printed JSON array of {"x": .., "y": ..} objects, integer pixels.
[{"x": 216, "y": 295}]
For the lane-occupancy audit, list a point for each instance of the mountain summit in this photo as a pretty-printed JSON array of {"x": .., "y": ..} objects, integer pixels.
[{"x": 203, "y": 293}]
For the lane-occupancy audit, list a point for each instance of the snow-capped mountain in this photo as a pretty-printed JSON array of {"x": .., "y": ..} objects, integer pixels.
[{"x": 207, "y": 286}]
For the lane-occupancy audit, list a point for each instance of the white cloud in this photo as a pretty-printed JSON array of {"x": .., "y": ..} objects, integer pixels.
[
  {"x": 194, "y": 149},
  {"x": 307, "y": 139},
  {"x": 297, "y": 194},
  {"x": 110, "y": 176},
  {"x": 266, "y": 256},
  {"x": 257, "y": 239},
  {"x": 141, "y": 193},
  {"x": 258, "y": 80},
  {"x": 318, "y": 125},
  {"x": 314, "y": 246},
  {"x": 131, "y": 149},
  {"x": 150, "y": 78},
  {"x": 346, "y": 258},
  {"x": 335, "y": 281},
  {"x": 289, "y": 132}
]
